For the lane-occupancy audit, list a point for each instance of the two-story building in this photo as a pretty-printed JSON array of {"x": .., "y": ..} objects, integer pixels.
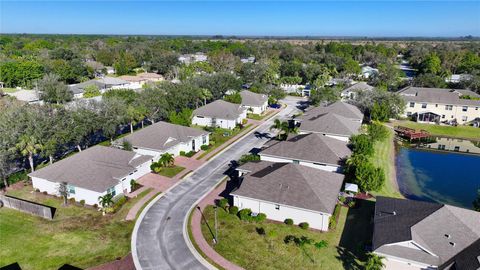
[{"x": 438, "y": 105}]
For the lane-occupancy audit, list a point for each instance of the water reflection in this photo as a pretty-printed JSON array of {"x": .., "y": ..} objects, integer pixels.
[{"x": 453, "y": 144}]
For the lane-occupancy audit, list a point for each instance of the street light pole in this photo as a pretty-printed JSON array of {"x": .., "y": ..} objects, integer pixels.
[{"x": 215, "y": 241}]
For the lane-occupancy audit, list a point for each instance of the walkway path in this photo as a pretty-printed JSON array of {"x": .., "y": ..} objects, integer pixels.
[
  {"x": 159, "y": 239},
  {"x": 196, "y": 226}
]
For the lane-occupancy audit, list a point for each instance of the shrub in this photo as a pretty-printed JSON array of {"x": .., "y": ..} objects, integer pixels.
[
  {"x": 362, "y": 144},
  {"x": 82, "y": 202},
  {"x": 37, "y": 190},
  {"x": 212, "y": 142},
  {"x": 95, "y": 206},
  {"x": 260, "y": 230},
  {"x": 288, "y": 221},
  {"x": 249, "y": 157},
  {"x": 204, "y": 147},
  {"x": 304, "y": 225},
  {"x": 351, "y": 203},
  {"x": 244, "y": 214},
  {"x": 332, "y": 222},
  {"x": 377, "y": 131},
  {"x": 119, "y": 201},
  {"x": 260, "y": 217},
  {"x": 289, "y": 238},
  {"x": 341, "y": 199},
  {"x": 190, "y": 154},
  {"x": 222, "y": 203},
  {"x": 233, "y": 210},
  {"x": 44, "y": 193},
  {"x": 182, "y": 153},
  {"x": 244, "y": 121},
  {"x": 321, "y": 244},
  {"x": 71, "y": 200}
]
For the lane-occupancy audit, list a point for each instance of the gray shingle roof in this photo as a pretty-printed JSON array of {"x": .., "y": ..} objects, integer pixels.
[
  {"x": 292, "y": 185},
  {"x": 97, "y": 168},
  {"x": 432, "y": 226},
  {"x": 330, "y": 123},
  {"x": 79, "y": 87},
  {"x": 161, "y": 136},
  {"x": 253, "y": 99},
  {"x": 358, "y": 87},
  {"x": 341, "y": 108},
  {"x": 438, "y": 95},
  {"x": 310, "y": 147},
  {"x": 220, "y": 109}
]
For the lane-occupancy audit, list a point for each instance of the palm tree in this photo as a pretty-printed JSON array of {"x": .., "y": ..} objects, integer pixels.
[
  {"x": 280, "y": 126},
  {"x": 166, "y": 159},
  {"x": 106, "y": 200},
  {"x": 206, "y": 94},
  {"x": 28, "y": 146},
  {"x": 374, "y": 262}
]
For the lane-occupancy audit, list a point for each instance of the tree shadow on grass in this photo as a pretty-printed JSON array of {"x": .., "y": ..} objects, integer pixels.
[{"x": 357, "y": 234}]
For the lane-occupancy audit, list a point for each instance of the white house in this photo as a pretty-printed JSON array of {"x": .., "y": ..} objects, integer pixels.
[
  {"x": 351, "y": 91},
  {"x": 418, "y": 235},
  {"x": 253, "y": 102},
  {"x": 163, "y": 137},
  {"x": 435, "y": 105},
  {"x": 287, "y": 190},
  {"x": 368, "y": 71},
  {"x": 338, "y": 120},
  {"x": 312, "y": 150},
  {"x": 92, "y": 173},
  {"x": 220, "y": 114}
]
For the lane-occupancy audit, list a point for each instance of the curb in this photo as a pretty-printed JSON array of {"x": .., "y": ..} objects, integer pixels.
[{"x": 185, "y": 221}]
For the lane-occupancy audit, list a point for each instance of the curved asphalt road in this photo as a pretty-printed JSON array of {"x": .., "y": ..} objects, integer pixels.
[{"x": 158, "y": 241}]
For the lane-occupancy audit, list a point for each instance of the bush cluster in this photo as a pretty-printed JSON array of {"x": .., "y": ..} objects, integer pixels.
[
  {"x": 246, "y": 215},
  {"x": 288, "y": 221},
  {"x": 204, "y": 147},
  {"x": 304, "y": 225}
]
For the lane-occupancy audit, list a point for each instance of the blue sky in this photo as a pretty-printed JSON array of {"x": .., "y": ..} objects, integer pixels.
[{"x": 315, "y": 18}]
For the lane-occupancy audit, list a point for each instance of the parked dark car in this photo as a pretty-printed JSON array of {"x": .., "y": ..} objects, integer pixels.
[{"x": 275, "y": 106}]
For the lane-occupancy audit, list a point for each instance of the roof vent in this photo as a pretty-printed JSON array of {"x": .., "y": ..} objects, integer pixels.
[
  {"x": 447, "y": 236},
  {"x": 452, "y": 244}
]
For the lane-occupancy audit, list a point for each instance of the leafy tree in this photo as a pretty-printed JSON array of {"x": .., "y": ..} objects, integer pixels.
[
  {"x": 20, "y": 73},
  {"x": 28, "y": 146},
  {"x": 324, "y": 94},
  {"x": 476, "y": 202},
  {"x": 184, "y": 117},
  {"x": 351, "y": 67},
  {"x": 218, "y": 83},
  {"x": 127, "y": 95},
  {"x": 363, "y": 173},
  {"x": 223, "y": 61},
  {"x": 429, "y": 80},
  {"x": 54, "y": 91},
  {"x": 432, "y": 64},
  {"x": 163, "y": 62},
  {"x": 62, "y": 190},
  {"x": 135, "y": 114},
  {"x": 234, "y": 98},
  {"x": 91, "y": 91},
  {"x": 205, "y": 94},
  {"x": 374, "y": 262},
  {"x": 113, "y": 113},
  {"x": 391, "y": 104},
  {"x": 361, "y": 144},
  {"x": 380, "y": 112},
  {"x": 124, "y": 63},
  {"x": 153, "y": 100}
]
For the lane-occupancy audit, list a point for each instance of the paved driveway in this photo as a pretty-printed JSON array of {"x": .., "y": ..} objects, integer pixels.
[{"x": 158, "y": 241}]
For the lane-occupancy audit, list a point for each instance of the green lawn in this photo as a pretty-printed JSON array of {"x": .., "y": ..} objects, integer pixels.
[
  {"x": 219, "y": 136},
  {"x": 464, "y": 132},
  {"x": 171, "y": 171},
  {"x": 240, "y": 243},
  {"x": 384, "y": 158},
  {"x": 9, "y": 90},
  {"x": 79, "y": 236},
  {"x": 258, "y": 116}
]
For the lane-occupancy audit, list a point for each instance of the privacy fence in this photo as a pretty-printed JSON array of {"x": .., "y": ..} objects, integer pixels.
[{"x": 34, "y": 208}]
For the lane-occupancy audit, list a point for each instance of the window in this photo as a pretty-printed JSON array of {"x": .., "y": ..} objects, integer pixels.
[
  {"x": 71, "y": 189},
  {"x": 296, "y": 161},
  {"x": 412, "y": 104},
  {"x": 409, "y": 114},
  {"x": 456, "y": 149},
  {"x": 464, "y": 108},
  {"x": 476, "y": 108},
  {"x": 436, "y": 105},
  {"x": 277, "y": 206},
  {"x": 424, "y": 105},
  {"x": 443, "y": 115},
  {"x": 111, "y": 191},
  {"x": 448, "y": 107},
  {"x": 204, "y": 139},
  {"x": 464, "y": 118}
]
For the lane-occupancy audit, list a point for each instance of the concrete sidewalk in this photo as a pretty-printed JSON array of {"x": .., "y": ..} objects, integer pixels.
[{"x": 197, "y": 235}]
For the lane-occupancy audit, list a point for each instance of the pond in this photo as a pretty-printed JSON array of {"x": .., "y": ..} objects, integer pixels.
[{"x": 440, "y": 175}]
